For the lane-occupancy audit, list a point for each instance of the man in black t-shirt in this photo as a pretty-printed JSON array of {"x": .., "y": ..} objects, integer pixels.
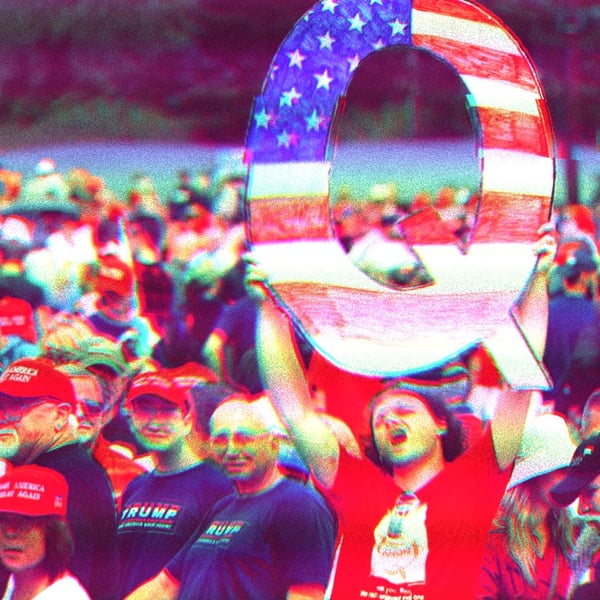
[
  {"x": 163, "y": 508},
  {"x": 273, "y": 539}
]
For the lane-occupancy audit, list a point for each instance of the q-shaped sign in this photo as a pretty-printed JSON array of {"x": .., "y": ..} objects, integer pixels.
[{"x": 353, "y": 321}]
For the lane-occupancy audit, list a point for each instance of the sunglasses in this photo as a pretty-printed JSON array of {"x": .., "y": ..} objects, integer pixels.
[{"x": 13, "y": 412}]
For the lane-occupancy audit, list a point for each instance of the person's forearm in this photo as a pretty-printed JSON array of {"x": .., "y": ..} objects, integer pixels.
[
  {"x": 285, "y": 379},
  {"x": 532, "y": 309},
  {"x": 279, "y": 364},
  {"x": 161, "y": 587},
  {"x": 306, "y": 592}
]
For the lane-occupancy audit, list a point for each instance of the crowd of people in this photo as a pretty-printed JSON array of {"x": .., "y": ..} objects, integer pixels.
[{"x": 167, "y": 432}]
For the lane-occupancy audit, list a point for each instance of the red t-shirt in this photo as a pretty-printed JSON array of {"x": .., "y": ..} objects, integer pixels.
[
  {"x": 502, "y": 578},
  {"x": 460, "y": 505}
]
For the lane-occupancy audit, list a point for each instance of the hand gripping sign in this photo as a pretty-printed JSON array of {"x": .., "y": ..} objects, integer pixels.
[{"x": 353, "y": 321}]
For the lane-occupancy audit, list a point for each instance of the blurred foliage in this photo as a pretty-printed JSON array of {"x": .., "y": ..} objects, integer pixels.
[{"x": 188, "y": 69}]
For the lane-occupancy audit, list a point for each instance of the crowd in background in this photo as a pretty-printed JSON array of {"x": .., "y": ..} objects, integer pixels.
[{"x": 135, "y": 293}]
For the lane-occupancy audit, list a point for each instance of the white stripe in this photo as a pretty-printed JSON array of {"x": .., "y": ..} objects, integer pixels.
[
  {"x": 492, "y": 93},
  {"x": 270, "y": 180},
  {"x": 382, "y": 358},
  {"x": 462, "y": 30},
  {"x": 319, "y": 261},
  {"x": 517, "y": 172}
]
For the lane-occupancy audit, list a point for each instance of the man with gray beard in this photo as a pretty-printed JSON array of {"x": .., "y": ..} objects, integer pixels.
[{"x": 37, "y": 426}]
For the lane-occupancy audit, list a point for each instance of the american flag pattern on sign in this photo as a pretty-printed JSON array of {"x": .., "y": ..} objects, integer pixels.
[{"x": 288, "y": 149}]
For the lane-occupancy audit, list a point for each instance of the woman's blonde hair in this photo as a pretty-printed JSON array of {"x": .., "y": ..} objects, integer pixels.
[{"x": 522, "y": 522}]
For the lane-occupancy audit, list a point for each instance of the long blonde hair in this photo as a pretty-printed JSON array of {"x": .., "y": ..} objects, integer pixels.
[{"x": 522, "y": 521}]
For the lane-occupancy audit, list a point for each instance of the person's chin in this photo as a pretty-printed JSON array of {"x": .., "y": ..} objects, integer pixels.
[
  {"x": 156, "y": 442},
  {"x": 9, "y": 444},
  {"x": 84, "y": 434},
  {"x": 237, "y": 471}
]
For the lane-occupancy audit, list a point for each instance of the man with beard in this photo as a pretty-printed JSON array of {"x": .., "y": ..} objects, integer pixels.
[{"x": 37, "y": 407}]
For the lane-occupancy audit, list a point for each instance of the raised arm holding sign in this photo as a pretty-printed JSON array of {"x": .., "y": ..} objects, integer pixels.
[{"x": 414, "y": 523}]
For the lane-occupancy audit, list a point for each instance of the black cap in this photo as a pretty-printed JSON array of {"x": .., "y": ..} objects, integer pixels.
[{"x": 584, "y": 467}]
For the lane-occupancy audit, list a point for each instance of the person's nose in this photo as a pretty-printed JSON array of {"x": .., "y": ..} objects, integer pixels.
[
  {"x": 584, "y": 506},
  {"x": 232, "y": 447},
  {"x": 391, "y": 421}
]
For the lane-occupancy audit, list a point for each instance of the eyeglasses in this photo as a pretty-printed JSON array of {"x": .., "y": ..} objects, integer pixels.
[
  {"x": 13, "y": 412},
  {"x": 405, "y": 504}
]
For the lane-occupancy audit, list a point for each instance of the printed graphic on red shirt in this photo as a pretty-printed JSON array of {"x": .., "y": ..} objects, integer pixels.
[{"x": 400, "y": 548}]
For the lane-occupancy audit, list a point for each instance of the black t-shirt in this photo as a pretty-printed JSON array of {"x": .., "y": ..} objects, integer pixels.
[
  {"x": 160, "y": 512},
  {"x": 255, "y": 547},
  {"x": 91, "y": 517},
  {"x": 238, "y": 324}
]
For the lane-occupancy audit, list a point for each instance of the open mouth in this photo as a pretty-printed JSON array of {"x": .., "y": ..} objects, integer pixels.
[{"x": 398, "y": 436}]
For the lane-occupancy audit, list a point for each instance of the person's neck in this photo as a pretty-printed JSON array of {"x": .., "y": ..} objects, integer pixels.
[
  {"x": 65, "y": 437},
  {"x": 413, "y": 476},
  {"x": 252, "y": 488},
  {"x": 45, "y": 445},
  {"x": 29, "y": 583},
  {"x": 175, "y": 459}
]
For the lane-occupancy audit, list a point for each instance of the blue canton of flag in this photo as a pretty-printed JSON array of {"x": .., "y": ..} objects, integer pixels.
[{"x": 313, "y": 68}]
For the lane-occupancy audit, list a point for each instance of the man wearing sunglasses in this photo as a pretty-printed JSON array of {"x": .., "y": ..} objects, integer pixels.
[{"x": 37, "y": 404}]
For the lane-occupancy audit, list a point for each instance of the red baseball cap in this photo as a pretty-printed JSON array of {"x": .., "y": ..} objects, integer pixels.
[
  {"x": 36, "y": 378},
  {"x": 33, "y": 491},
  {"x": 114, "y": 275},
  {"x": 16, "y": 318},
  {"x": 159, "y": 383},
  {"x": 192, "y": 373}
]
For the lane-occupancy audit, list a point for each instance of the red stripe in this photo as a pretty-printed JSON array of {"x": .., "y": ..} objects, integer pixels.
[
  {"x": 508, "y": 130},
  {"x": 504, "y": 217},
  {"x": 455, "y": 8},
  {"x": 427, "y": 227},
  {"x": 479, "y": 61},
  {"x": 277, "y": 219}
]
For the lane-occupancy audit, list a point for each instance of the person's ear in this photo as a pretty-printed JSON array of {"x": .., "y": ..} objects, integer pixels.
[
  {"x": 442, "y": 426},
  {"x": 63, "y": 411},
  {"x": 188, "y": 422}
]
